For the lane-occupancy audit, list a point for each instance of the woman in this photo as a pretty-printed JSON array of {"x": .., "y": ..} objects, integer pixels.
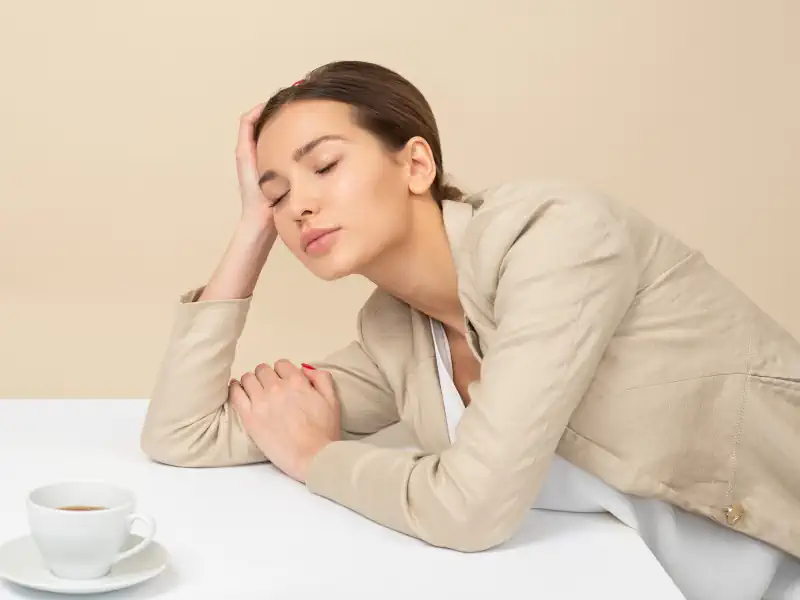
[{"x": 545, "y": 345}]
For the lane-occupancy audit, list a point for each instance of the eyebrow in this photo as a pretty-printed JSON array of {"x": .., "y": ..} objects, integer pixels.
[{"x": 300, "y": 153}]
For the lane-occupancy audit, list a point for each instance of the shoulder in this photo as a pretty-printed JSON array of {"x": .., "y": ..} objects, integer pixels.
[
  {"x": 382, "y": 314},
  {"x": 507, "y": 210},
  {"x": 540, "y": 223},
  {"x": 386, "y": 334}
]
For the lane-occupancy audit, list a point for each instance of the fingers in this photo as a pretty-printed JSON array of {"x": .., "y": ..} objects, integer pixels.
[
  {"x": 246, "y": 123},
  {"x": 252, "y": 386},
  {"x": 288, "y": 372},
  {"x": 245, "y": 146},
  {"x": 238, "y": 398},
  {"x": 323, "y": 383},
  {"x": 266, "y": 376},
  {"x": 251, "y": 115}
]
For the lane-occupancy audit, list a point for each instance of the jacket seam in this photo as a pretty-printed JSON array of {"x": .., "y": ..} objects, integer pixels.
[
  {"x": 739, "y": 425},
  {"x": 666, "y": 272},
  {"x": 681, "y": 380}
]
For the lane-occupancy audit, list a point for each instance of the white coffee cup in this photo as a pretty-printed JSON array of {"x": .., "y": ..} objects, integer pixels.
[{"x": 84, "y": 544}]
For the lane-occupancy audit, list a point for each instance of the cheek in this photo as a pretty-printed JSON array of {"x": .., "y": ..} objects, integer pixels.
[
  {"x": 379, "y": 206},
  {"x": 350, "y": 192},
  {"x": 369, "y": 180},
  {"x": 287, "y": 232}
]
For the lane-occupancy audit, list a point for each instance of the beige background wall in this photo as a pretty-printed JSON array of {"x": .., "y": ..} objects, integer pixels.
[{"x": 118, "y": 124}]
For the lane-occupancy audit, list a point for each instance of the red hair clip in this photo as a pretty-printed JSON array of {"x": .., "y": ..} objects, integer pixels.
[{"x": 298, "y": 82}]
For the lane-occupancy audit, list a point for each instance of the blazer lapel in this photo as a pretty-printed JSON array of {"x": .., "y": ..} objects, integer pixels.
[
  {"x": 429, "y": 420},
  {"x": 457, "y": 216}
]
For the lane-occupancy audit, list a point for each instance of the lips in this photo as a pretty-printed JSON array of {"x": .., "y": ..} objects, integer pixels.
[{"x": 310, "y": 236}]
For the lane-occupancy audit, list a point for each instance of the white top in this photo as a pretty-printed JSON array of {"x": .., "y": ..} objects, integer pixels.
[{"x": 705, "y": 560}]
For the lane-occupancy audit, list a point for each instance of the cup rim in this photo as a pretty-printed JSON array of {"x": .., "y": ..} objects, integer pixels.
[{"x": 128, "y": 504}]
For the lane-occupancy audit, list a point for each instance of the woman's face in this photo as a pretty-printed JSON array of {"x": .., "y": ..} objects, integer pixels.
[{"x": 327, "y": 177}]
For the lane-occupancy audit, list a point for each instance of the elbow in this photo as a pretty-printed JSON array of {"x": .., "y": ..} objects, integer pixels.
[
  {"x": 176, "y": 447},
  {"x": 205, "y": 443},
  {"x": 162, "y": 449},
  {"x": 478, "y": 532},
  {"x": 467, "y": 519},
  {"x": 477, "y": 540}
]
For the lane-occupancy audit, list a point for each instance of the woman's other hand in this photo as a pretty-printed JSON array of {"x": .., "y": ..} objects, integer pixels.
[
  {"x": 256, "y": 211},
  {"x": 291, "y": 414},
  {"x": 238, "y": 271}
]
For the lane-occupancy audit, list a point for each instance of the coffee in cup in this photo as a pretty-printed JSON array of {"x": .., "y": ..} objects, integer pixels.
[{"x": 80, "y": 528}]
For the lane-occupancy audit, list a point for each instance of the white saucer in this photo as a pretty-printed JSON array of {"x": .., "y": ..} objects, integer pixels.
[{"x": 21, "y": 563}]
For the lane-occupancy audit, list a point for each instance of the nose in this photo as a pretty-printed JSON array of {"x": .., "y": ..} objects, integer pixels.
[{"x": 303, "y": 201}]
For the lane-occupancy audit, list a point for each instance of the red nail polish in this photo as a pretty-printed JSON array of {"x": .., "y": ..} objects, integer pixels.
[{"x": 309, "y": 367}]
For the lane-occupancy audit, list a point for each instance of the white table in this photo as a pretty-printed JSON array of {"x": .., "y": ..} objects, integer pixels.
[{"x": 251, "y": 532}]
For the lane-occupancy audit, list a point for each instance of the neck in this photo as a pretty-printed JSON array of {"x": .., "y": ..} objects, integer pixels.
[{"x": 420, "y": 270}]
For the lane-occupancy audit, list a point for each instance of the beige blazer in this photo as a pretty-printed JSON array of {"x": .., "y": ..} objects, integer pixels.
[{"x": 601, "y": 338}]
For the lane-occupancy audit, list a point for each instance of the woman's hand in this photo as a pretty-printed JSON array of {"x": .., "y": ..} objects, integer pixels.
[
  {"x": 290, "y": 414},
  {"x": 238, "y": 271},
  {"x": 256, "y": 211}
]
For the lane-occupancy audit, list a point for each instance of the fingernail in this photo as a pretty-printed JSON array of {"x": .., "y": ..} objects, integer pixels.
[{"x": 309, "y": 367}]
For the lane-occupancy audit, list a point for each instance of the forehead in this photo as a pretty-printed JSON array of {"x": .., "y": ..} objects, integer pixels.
[{"x": 300, "y": 122}]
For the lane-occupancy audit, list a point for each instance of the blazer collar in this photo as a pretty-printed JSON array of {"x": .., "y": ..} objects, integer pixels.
[{"x": 457, "y": 216}]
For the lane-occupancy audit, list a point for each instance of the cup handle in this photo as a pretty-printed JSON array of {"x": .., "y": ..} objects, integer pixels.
[{"x": 150, "y": 524}]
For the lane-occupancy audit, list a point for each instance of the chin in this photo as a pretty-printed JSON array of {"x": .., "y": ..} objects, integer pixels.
[
  {"x": 333, "y": 266},
  {"x": 330, "y": 275}
]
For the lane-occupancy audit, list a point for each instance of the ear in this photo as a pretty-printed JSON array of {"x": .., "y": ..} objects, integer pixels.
[{"x": 421, "y": 165}]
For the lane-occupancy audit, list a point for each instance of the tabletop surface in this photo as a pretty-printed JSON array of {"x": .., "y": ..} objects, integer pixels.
[{"x": 252, "y": 532}]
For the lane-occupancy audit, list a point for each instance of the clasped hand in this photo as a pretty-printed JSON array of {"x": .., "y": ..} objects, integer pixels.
[{"x": 290, "y": 413}]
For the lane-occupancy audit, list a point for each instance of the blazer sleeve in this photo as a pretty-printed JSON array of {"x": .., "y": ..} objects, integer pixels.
[
  {"x": 189, "y": 421},
  {"x": 563, "y": 285}
]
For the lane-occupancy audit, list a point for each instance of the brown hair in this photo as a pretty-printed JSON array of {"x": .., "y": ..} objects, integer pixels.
[{"x": 384, "y": 103}]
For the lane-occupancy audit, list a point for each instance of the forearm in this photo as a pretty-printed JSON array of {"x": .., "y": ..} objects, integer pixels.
[
  {"x": 240, "y": 267},
  {"x": 189, "y": 421}
]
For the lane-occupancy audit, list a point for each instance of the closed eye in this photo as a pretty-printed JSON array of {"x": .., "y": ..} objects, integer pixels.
[
  {"x": 278, "y": 199},
  {"x": 328, "y": 168},
  {"x": 323, "y": 171}
]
